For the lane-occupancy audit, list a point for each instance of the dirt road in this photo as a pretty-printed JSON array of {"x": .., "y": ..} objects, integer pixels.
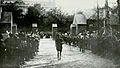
[{"x": 71, "y": 58}]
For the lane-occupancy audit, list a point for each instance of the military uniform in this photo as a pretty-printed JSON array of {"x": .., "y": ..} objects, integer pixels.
[{"x": 59, "y": 44}]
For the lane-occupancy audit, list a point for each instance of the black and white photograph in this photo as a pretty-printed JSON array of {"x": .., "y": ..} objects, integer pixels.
[{"x": 59, "y": 33}]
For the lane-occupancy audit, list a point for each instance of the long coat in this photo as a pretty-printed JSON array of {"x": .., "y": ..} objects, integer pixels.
[{"x": 58, "y": 44}]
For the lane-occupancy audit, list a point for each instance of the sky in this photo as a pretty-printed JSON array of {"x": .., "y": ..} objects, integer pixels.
[{"x": 73, "y": 6}]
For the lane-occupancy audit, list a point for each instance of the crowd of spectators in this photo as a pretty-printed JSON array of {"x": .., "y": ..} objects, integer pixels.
[{"x": 18, "y": 48}]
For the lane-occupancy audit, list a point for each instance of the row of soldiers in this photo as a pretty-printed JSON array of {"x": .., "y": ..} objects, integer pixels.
[
  {"x": 82, "y": 40},
  {"x": 17, "y": 49}
]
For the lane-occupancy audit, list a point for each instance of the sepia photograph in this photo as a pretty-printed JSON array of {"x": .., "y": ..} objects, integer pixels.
[{"x": 59, "y": 33}]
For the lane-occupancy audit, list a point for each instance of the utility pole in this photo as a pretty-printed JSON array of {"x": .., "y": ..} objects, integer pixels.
[
  {"x": 107, "y": 13},
  {"x": 106, "y": 16},
  {"x": 1, "y": 2},
  {"x": 118, "y": 7},
  {"x": 98, "y": 17}
]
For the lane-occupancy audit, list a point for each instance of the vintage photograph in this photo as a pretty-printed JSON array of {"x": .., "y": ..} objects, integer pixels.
[{"x": 59, "y": 33}]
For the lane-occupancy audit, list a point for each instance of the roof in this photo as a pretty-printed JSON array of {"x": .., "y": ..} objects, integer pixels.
[
  {"x": 79, "y": 18},
  {"x": 9, "y": 1}
]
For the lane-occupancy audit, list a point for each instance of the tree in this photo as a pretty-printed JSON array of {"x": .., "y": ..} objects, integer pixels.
[{"x": 56, "y": 16}]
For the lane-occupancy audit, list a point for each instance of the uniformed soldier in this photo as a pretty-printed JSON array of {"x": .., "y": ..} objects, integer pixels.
[
  {"x": 80, "y": 43},
  {"x": 83, "y": 41},
  {"x": 59, "y": 43},
  {"x": 20, "y": 47}
]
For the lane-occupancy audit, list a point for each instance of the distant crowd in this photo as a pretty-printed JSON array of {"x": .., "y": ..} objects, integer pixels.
[
  {"x": 82, "y": 40},
  {"x": 104, "y": 44}
]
